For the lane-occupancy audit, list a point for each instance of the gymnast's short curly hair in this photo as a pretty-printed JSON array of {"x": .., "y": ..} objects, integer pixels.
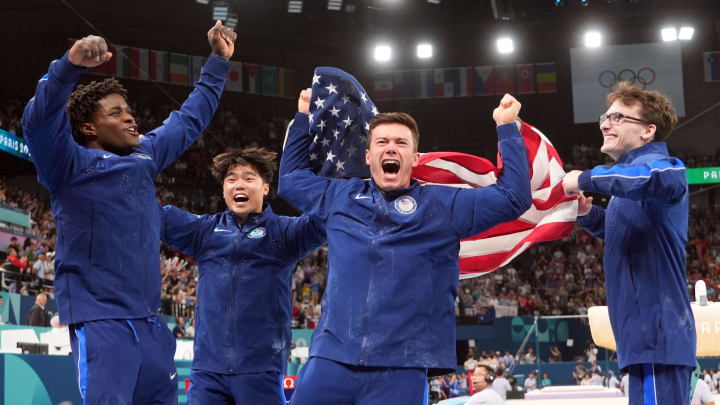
[
  {"x": 260, "y": 159},
  {"x": 84, "y": 100}
]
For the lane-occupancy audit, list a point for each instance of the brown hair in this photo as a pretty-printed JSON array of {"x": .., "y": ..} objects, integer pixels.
[
  {"x": 260, "y": 159},
  {"x": 396, "y": 118},
  {"x": 84, "y": 100},
  {"x": 655, "y": 107}
]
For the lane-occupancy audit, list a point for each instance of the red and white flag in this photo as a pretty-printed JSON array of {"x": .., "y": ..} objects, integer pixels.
[{"x": 552, "y": 215}]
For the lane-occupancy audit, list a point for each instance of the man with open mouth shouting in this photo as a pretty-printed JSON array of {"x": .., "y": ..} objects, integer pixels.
[
  {"x": 246, "y": 256},
  {"x": 100, "y": 172},
  {"x": 388, "y": 317}
]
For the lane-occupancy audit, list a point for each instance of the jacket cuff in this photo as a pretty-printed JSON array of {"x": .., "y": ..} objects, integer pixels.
[
  {"x": 302, "y": 120},
  {"x": 508, "y": 131},
  {"x": 217, "y": 65},
  {"x": 585, "y": 181}
]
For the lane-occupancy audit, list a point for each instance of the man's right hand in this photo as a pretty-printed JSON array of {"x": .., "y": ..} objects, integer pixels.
[
  {"x": 89, "y": 52},
  {"x": 507, "y": 111},
  {"x": 584, "y": 204},
  {"x": 304, "y": 101}
]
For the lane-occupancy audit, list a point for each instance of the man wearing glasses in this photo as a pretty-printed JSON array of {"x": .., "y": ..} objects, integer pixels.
[{"x": 645, "y": 229}]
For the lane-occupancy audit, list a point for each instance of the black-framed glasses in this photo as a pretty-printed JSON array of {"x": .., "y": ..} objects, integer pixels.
[{"x": 616, "y": 117}]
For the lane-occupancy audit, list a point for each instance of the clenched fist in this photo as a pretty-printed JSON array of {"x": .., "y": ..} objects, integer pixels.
[
  {"x": 222, "y": 40},
  {"x": 89, "y": 52},
  {"x": 304, "y": 101},
  {"x": 507, "y": 111}
]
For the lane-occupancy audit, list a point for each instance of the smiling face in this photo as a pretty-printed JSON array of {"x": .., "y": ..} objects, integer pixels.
[
  {"x": 243, "y": 190},
  {"x": 391, "y": 156},
  {"x": 626, "y": 135},
  {"x": 113, "y": 127}
]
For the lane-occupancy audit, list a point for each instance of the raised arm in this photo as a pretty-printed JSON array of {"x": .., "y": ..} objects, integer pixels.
[
  {"x": 478, "y": 209},
  {"x": 312, "y": 194},
  {"x": 185, "y": 126},
  {"x": 45, "y": 123},
  {"x": 180, "y": 229},
  {"x": 302, "y": 236}
]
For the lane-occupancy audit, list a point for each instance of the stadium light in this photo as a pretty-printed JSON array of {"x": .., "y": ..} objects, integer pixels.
[
  {"x": 383, "y": 53},
  {"x": 505, "y": 45},
  {"x": 593, "y": 39},
  {"x": 220, "y": 10},
  {"x": 669, "y": 34},
  {"x": 335, "y": 5},
  {"x": 686, "y": 33},
  {"x": 232, "y": 20},
  {"x": 585, "y": 3},
  {"x": 424, "y": 51},
  {"x": 295, "y": 6},
  {"x": 434, "y": 1},
  {"x": 203, "y": 1},
  {"x": 559, "y": 3}
]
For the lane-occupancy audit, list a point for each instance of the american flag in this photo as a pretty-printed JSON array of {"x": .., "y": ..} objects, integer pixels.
[{"x": 340, "y": 111}]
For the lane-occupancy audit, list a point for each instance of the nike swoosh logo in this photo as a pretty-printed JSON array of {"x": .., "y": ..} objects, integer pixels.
[
  {"x": 172, "y": 376},
  {"x": 221, "y": 230},
  {"x": 359, "y": 196},
  {"x": 106, "y": 156}
]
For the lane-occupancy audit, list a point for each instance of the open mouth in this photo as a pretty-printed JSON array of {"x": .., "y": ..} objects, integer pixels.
[
  {"x": 133, "y": 130},
  {"x": 390, "y": 166},
  {"x": 609, "y": 137},
  {"x": 240, "y": 198}
]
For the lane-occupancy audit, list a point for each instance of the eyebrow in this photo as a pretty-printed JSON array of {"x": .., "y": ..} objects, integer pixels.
[{"x": 245, "y": 173}]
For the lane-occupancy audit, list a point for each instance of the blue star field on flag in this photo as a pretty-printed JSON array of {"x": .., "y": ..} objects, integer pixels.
[{"x": 340, "y": 112}]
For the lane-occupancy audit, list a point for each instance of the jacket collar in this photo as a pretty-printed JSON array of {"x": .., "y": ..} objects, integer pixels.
[
  {"x": 391, "y": 195},
  {"x": 254, "y": 219},
  {"x": 659, "y": 148}
]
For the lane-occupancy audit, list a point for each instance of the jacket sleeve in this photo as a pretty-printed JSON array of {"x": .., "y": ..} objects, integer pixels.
[
  {"x": 312, "y": 194},
  {"x": 475, "y": 210},
  {"x": 302, "y": 236},
  {"x": 46, "y": 126},
  {"x": 181, "y": 229},
  {"x": 185, "y": 126},
  {"x": 659, "y": 180},
  {"x": 594, "y": 222}
]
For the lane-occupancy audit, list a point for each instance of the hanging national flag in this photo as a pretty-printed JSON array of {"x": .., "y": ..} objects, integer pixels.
[
  {"x": 467, "y": 82},
  {"x": 234, "y": 81},
  {"x": 383, "y": 86},
  {"x": 484, "y": 80},
  {"x": 139, "y": 63},
  {"x": 504, "y": 79},
  {"x": 196, "y": 65},
  {"x": 552, "y": 215},
  {"x": 424, "y": 83},
  {"x": 251, "y": 80},
  {"x": 403, "y": 85},
  {"x": 159, "y": 66},
  {"x": 712, "y": 66},
  {"x": 269, "y": 80},
  {"x": 447, "y": 82},
  {"x": 119, "y": 65},
  {"x": 179, "y": 69},
  {"x": 546, "y": 77},
  {"x": 525, "y": 79},
  {"x": 340, "y": 111},
  {"x": 286, "y": 83}
]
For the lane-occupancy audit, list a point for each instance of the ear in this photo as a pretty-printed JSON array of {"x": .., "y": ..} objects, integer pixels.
[
  {"x": 88, "y": 128},
  {"x": 416, "y": 159},
  {"x": 266, "y": 189},
  {"x": 648, "y": 134},
  {"x": 367, "y": 156}
]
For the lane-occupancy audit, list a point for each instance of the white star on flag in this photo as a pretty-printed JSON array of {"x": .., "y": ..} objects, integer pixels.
[
  {"x": 335, "y": 133},
  {"x": 363, "y": 97},
  {"x": 375, "y": 111},
  {"x": 331, "y": 89},
  {"x": 334, "y": 111},
  {"x": 330, "y": 156},
  {"x": 340, "y": 165},
  {"x": 347, "y": 121},
  {"x": 319, "y": 103},
  {"x": 351, "y": 150},
  {"x": 325, "y": 142},
  {"x": 313, "y": 156},
  {"x": 316, "y": 79},
  {"x": 345, "y": 99},
  {"x": 321, "y": 125}
]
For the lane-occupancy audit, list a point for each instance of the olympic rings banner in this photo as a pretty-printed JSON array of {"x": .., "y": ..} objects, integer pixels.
[{"x": 596, "y": 71}]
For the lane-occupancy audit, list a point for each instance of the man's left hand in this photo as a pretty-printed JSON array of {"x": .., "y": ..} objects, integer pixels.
[
  {"x": 222, "y": 40},
  {"x": 570, "y": 183}
]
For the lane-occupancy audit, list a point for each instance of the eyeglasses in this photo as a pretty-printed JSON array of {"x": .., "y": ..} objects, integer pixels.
[{"x": 616, "y": 117}]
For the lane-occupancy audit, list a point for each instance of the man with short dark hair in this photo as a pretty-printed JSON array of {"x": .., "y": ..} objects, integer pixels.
[
  {"x": 388, "y": 316},
  {"x": 246, "y": 256},
  {"x": 482, "y": 379},
  {"x": 99, "y": 171},
  {"x": 645, "y": 229},
  {"x": 179, "y": 329}
]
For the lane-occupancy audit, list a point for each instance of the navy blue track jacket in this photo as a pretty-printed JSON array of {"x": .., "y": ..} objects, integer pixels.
[
  {"x": 393, "y": 257},
  {"x": 645, "y": 228},
  {"x": 107, "y": 217},
  {"x": 244, "y": 291}
]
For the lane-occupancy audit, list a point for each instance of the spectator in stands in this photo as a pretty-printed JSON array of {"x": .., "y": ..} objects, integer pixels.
[
  {"x": 591, "y": 353},
  {"x": 625, "y": 384},
  {"x": 179, "y": 329},
  {"x": 596, "y": 378},
  {"x": 190, "y": 330},
  {"x": 38, "y": 316},
  {"x": 470, "y": 363},
  {"x": 17, "y": 267},
  {"x": 531, "y": 382},
  {"x": 530, "y": 356},
  {"x": 579, "y": 372},
  {"x": 482, "y": 380},
  {"x": 43, "y": 267},
  {"x": 14, "y": 244},
  {"x": 555, "y": 356},
  {"x": 613, "y": 382},
  {"x": 545, "y": 382},
  {"x": 594, "y": 366},
  {"x": 508, "y": 359},
  {"x": 702, "y": 394}
]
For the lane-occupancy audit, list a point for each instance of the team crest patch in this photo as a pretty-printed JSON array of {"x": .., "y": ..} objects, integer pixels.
[
  {"x": 257, "y": 233},
  {"x": 405, "y": 205}
]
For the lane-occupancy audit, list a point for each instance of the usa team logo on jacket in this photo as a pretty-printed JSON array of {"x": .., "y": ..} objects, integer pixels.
[
  {"x": 405, "y": 205},
  {"x": 257, "y": 233}
]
